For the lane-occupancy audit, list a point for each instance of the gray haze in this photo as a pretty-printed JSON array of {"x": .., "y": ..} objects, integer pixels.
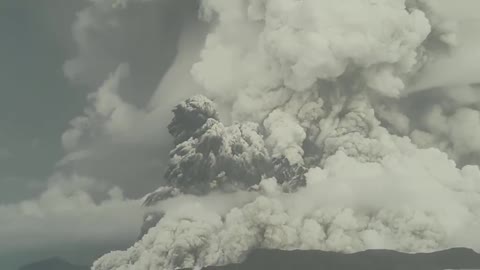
[{"x": 36, "y": 100}]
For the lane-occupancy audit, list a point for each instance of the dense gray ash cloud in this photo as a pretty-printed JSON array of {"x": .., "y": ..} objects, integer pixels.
[{"x": 329, "y": 86}]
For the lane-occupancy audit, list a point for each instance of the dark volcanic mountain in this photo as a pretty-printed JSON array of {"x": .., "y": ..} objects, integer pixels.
[
  {"x": 53, "y": 264},
  {"x": 457, "y": 258}
]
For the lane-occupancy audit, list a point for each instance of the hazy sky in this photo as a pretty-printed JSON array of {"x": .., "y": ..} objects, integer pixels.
[{"x": 36, "y": 100}]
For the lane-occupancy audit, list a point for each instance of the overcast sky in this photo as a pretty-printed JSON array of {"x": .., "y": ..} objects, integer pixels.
[{"x": 54, "y": 53}]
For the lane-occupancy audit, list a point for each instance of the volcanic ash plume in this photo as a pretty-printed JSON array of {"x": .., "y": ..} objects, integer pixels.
[{"x": 315, "y": 152}]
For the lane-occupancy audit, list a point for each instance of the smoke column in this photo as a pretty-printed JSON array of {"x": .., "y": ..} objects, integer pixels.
[{"x": 314, "y": 138}]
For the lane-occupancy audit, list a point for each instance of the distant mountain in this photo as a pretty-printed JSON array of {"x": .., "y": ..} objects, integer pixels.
[
  {"x": 457, "y": 258},
  {"x": 53, "y": 264}
]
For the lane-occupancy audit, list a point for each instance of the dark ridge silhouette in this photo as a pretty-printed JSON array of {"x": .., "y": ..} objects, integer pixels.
[
  {"x": 262, "y": 259},
  {"x": 54, "y": 263}
]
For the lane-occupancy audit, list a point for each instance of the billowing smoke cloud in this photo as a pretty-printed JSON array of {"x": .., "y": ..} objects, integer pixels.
[
  {"x": 322, "y": 93},
  {"x": 334, "y": 125}
]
